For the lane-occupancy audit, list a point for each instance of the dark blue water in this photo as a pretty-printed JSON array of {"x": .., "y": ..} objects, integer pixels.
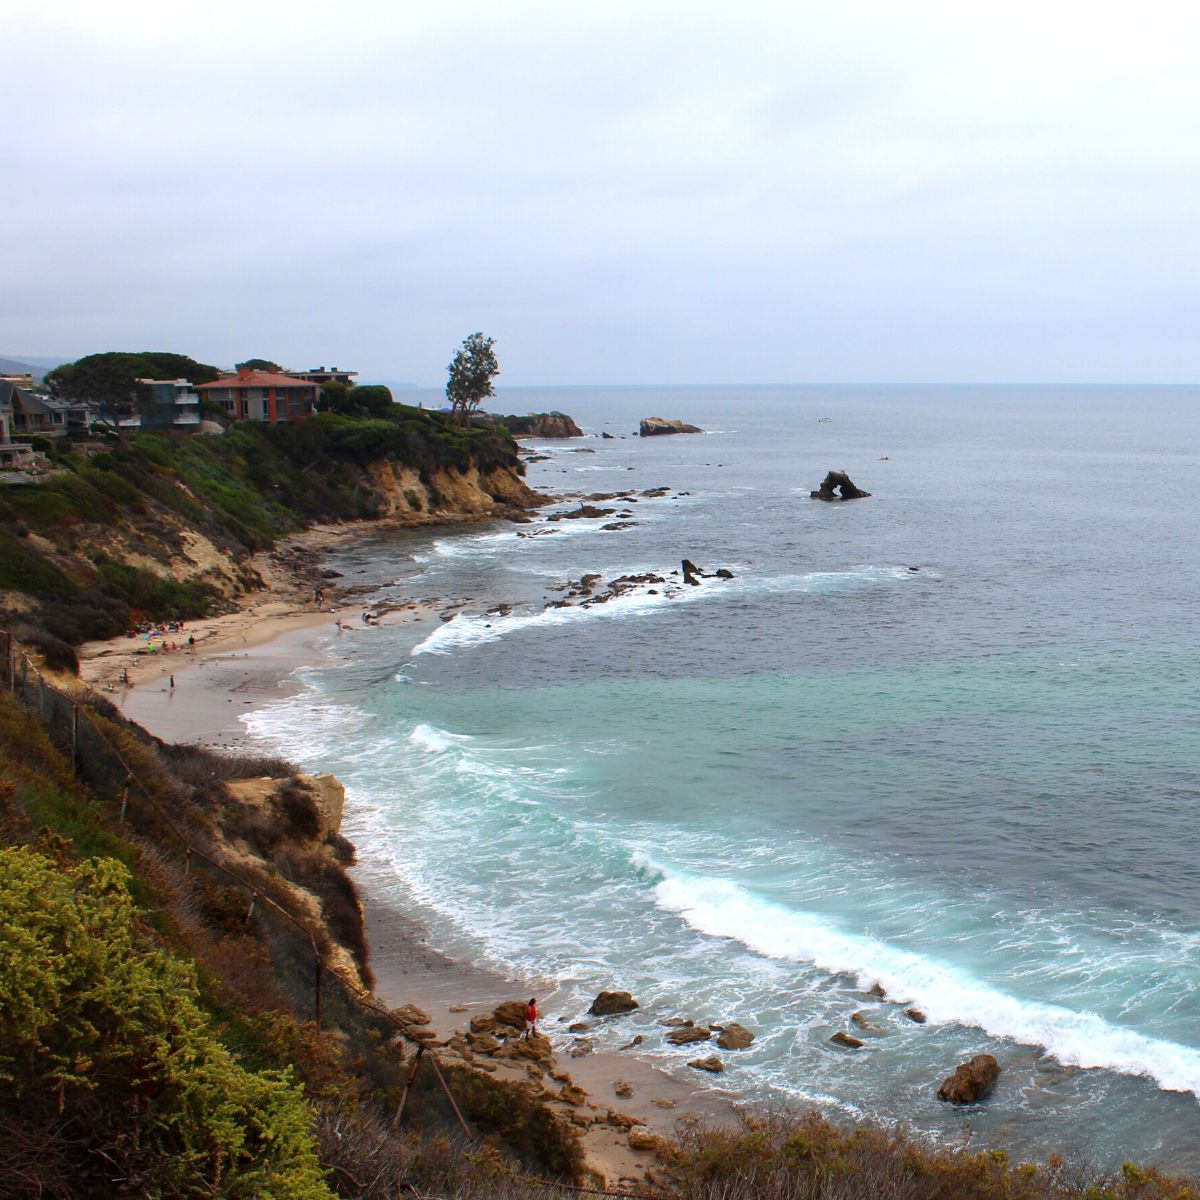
[{"x": 974, "y": 783}]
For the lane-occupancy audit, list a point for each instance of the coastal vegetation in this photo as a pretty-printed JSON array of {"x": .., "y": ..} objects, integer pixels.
[
  {"x": 471, "y": 372},
  {"x": 111, "y": 536}
]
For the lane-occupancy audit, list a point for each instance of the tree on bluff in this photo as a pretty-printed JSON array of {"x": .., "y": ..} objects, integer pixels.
[{"x": 471, "y": 374}]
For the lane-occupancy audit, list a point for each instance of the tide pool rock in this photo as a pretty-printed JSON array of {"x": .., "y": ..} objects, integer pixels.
[
  {"x": 711, "y": 1063},
  {"x": 687, "y": 1035},
  {"x": 607, "y": 1004},
  {"x": 971, "y": 1081},
  {"x": 511, "y": 1013}
]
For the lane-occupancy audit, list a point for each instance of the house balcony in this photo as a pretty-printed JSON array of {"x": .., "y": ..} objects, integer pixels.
[
  {"x": 187, "y": 397},
  {"x": 186, "y": 418},
  {"x": 15, "y": 454}
]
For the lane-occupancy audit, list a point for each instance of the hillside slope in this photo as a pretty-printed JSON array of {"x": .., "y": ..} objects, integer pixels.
[{"x": 163, "y": 527}]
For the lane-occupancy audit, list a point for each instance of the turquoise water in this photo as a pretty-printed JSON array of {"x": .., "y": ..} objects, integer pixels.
[{"x": 974, "y": 782}]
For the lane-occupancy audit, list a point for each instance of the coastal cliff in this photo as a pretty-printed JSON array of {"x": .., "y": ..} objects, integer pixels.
[{"x": 165, "y": 527}]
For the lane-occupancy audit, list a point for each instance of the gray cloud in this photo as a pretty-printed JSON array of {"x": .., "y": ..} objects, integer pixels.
[{"x": 618, "y": 192}]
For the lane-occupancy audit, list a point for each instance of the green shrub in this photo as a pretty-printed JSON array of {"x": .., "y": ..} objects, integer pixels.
[
  {"x": 24, "y": 569},
  {"x": 110, "y": 1067}
]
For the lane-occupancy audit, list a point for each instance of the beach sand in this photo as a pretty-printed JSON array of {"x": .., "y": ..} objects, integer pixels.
[{"x": 244, "y": 659}]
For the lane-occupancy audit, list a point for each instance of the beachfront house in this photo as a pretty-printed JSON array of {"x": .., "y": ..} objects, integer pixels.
[
  {"x": 34, "y": 414},
  {"x": 262, "y": 396},
  {"x": 12, "y": 454},
  {"x": 319, "y": 376},
  {"x": 172, "y": 404}
]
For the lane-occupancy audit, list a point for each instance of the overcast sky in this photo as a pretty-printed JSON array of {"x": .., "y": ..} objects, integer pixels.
[{"x": 618, "y": 192}]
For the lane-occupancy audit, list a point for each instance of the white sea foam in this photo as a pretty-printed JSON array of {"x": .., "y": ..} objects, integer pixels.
[
  {"x": 435, "y": 740},
  {"x": 301, "y": 726},
  {"x": 946, "y": 993},
  {"x": 466, "y": 630}
]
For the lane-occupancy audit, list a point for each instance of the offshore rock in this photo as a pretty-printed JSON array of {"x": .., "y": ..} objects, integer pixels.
[
  {"x": 866, "y": 1025},
  {"x": 711, "y": 1063},
  {"x": 734, "y": 1036},
  {"x": 844, "y": 1039},
  {"x": 655, "y": 426},
  {"x": 915, "y": 1014},
  {"x": 971, "y": 1081},
  {"x": 541, "y": 425},
  {"x": 837, "y": 485},
  {"x": 608, "y": 1003}
]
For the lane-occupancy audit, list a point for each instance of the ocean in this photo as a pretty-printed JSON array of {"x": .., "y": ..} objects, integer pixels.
[{"x": 942, "y": 739}]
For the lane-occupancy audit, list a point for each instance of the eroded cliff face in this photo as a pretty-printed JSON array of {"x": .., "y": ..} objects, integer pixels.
[
  {"x": 288, "y": 830},
  {"x": 445, "y": 493}
]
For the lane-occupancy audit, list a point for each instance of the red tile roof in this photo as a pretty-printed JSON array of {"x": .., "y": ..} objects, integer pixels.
[{"x": 256, "y": 379}]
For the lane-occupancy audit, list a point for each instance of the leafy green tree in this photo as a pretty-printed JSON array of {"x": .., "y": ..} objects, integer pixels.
[
  {"x": 335, "y": 398},
  {"x": 177, "y": 366},
  {"x": 471, "y": 373},
  {"x": 112, "y": 1080},
  {"x": 108, "y": 382},
  {"x": 259, "y": 364},
  {"x": 372, "y": 400}
]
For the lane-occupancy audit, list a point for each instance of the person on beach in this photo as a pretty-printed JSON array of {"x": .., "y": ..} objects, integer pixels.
[
  {"x": 172, "y": 683},
  {"x": 531, "y": 1018}
]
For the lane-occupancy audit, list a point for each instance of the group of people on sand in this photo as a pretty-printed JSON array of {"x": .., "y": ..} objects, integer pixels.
[{"x": 149, "y": 629}]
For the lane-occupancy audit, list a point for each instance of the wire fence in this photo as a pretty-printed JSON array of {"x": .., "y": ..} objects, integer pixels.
[{"x": 72, "y": 720}]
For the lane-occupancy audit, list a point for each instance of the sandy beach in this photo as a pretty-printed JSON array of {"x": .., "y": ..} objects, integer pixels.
[{"x": 244, "y": 659}]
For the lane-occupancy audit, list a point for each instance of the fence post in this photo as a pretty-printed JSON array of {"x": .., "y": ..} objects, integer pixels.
[
  {"x": 433, "y": 1062},
  {"x": 412, "y": 1074},
  {"x": 317, "y": 981}
]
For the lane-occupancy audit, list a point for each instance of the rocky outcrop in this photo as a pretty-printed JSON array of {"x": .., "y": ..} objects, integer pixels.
[
  {"x": 865, "y": 1023},
  {"x": 837, "y": 485},
  {"x": 711, "y": 1063},
  {"x": 286, "y": 832},
  {"x": 971, "y": 1081},
  {"x": 687, "y": 1035},
  {"x": 734, "y": 1036},
  {"x": 435, "y": 494},
  {"x": 510, "y": 1013},
  {"x": 915, "y": 1014},
  {"x": 656, "y": 426},
  {"x": 608, "y": 1003},
  {"x": 844, "y": 1039},
  {"x": 541, "y": 425}
]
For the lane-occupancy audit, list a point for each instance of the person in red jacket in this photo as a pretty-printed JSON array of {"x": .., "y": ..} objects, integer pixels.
[{"x": 531, "y": 1018}]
